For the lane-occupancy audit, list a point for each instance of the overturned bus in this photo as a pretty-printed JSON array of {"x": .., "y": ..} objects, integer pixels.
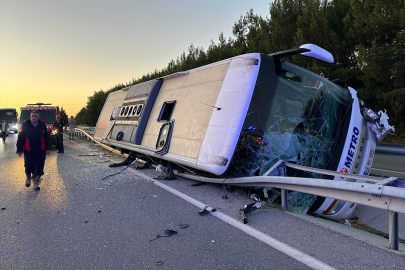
[{"x": 239, "y": 116}]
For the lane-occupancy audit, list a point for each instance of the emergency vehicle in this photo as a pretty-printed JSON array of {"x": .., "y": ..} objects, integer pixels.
[
  {"x": 47, "y": 114},
  {"x": 240, "y": 116}
]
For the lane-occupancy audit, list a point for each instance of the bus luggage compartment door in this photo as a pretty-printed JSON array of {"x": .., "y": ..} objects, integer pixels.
[
  {"x": 163, "y": 141},
  {"x": 122, "y": 133}
]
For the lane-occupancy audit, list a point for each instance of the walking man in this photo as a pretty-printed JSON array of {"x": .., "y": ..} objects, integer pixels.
[
  {"x": 34, "y": 141},
  {"x": 60, "y": 128},
  {"x": 4, "y": 127}
]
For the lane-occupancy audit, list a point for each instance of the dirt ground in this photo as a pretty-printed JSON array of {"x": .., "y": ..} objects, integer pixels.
[{"x": 394, "y": 140}]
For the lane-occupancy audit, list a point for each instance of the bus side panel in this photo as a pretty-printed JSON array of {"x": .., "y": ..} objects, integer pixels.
[{"x": 195, "y": 94}]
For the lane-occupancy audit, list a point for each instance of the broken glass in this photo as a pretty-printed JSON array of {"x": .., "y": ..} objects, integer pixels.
[{"x": 297, "y": 119}]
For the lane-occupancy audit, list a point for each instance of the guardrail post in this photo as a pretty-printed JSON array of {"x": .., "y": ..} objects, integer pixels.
[
  {"x": 284, "y": 202},
  {"x": 393, "y": 230}
]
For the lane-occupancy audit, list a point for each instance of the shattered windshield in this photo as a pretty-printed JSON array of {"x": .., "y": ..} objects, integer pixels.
[{"x": 295, "y": 115}]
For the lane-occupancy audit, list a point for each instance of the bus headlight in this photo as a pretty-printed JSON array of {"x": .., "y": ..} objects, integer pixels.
[{"x": 370, "y": 116}]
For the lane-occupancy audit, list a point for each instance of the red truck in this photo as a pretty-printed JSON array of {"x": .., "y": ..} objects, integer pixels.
[{"x": 47, "y": 114}]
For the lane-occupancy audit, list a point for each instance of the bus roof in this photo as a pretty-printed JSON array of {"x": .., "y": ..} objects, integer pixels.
[{"x": 42, "y": 108}]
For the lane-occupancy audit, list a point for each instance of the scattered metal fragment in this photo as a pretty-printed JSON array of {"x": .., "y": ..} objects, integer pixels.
[
  {"x": 156, "y": 237},
  {"x": 255, "y": 197},
  {"x": 242, "y": 216},
  {"x": 115, "y": 173},
  {"x": 183, "y": 226},
  {"x": 206, "y": 210},
  {"x": 3, "y": 208},
  {"x": 85, "y": 221},
  {"x": 159, "y": 262},
  {"x": 168, "y": 173},
  {"x": 203, "y": 211},
  {"x": 144, "y": 166},
  {"x": 168, "y": 233},
  {"x": 249, "y": 208},
  {"x": 130, "y": 159}
]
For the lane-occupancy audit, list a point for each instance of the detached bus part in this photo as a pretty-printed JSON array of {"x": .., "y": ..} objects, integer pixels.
[{"x": 240, "y": 116}]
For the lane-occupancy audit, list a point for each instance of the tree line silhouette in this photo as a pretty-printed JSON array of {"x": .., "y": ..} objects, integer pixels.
[{"x": 366, "y": 38}]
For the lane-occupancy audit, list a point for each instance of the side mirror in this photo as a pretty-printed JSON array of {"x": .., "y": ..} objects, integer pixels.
[{"x": 317, "y": 53}]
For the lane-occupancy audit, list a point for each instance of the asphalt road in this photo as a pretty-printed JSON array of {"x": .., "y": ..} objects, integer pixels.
[
  {"x": 386, "y": 165},
  {"x": 90, "y": 216},
  {"x": 389, "y": 165}
]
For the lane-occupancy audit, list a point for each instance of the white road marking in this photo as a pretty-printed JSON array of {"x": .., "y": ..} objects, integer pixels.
[
  {"x": 280, "y": 246},
  {"x": 286, "y": 249}
]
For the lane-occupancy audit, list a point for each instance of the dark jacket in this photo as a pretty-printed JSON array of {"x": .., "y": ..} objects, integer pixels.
[
  {"x": 7, "y": 126},
  {"x": 23, "y": 143},
  {"x": 58, "y": 127}
]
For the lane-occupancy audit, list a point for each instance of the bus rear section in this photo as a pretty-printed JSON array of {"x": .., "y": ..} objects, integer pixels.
[{"x": 47, "y": 114}]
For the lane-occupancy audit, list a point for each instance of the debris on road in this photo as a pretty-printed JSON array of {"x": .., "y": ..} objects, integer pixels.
[
  {"x": 183, "y": 225},
  {"x": 206, "y": 210},
  {"x": 168, "y": 233},
  {"x": 249, "y": 208},
  {"x": 167, "y": 172}
]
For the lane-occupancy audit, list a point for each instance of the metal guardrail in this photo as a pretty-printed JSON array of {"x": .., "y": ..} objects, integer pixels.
[
  {"x": 88, "y": 130},
  {"x": 83, "y": 134},
  {"x": 392, "y": 149},
  {"x": 377, "y": 192},
  {"x": 383, "y": 193}
]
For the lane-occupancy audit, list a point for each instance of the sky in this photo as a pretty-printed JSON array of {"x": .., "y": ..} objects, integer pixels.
[{"x": 61, "y": 52}]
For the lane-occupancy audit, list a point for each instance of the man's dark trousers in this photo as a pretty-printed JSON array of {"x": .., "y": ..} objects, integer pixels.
[
  {"x": 59, "y": 142},
  {"x": 34, "y": 162}
]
